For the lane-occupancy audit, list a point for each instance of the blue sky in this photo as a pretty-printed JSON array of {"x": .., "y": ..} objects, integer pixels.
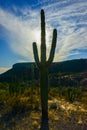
[{"x": 20, "y": 27}]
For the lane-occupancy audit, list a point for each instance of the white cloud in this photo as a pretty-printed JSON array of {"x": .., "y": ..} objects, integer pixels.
[
  {"x": 70, "y": 19},
  {"x": 71, "y": 23},
  {"x": 72, "y": 42},
  {"x": 21, "y": 33},
  {"x": 3, "y": 69}
]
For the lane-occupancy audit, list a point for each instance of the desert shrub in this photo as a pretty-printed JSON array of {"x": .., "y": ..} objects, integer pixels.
[
  {"x": 53, "y": 91},
  {"x": 17, "y": 105},
  {"x": 3, "y": 97},
  {"x": 71, "y": 93},
  {"x": 16, "y": 89},
  {"x": 34, "y": 96},
  {"x": 32, "y": 91},
  {"x": 4, "y": 85}
]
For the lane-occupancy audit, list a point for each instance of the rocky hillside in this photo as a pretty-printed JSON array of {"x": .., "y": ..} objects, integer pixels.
[{"x": 59, "y": 71}]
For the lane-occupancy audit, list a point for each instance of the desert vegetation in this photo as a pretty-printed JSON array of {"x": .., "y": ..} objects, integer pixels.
[{"x": 67, "y": 108}]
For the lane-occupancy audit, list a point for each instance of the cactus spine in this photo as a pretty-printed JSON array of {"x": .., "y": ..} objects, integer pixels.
[{"x": 44, "y": 64}]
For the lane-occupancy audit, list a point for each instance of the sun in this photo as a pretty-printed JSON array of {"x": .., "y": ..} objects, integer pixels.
[{"x": 37, "y": 37}]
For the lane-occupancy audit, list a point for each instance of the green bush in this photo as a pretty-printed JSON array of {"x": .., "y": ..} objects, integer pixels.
[{"x": 69, "y": 93}]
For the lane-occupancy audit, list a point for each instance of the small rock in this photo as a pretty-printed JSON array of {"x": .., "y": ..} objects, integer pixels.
[{"x": 53, "y": 106}]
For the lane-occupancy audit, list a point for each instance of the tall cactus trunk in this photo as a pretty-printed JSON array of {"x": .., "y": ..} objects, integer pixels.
[
  {"x": 43, "y": 65},
  {"x": 44, "y": 92}
]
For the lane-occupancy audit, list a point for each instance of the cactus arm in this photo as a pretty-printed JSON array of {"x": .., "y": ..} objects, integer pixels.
[
  {"x": 43, "y": 41},
  {"x": 52, "y": 51},
  {"x": 36, "y": 57}
]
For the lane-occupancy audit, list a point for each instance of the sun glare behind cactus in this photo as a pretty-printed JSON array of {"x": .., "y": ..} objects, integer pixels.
[{"x": 37, "y": 36}]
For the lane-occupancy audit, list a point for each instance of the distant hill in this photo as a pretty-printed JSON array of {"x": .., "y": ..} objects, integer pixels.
[{"x": 23, "y": 71}]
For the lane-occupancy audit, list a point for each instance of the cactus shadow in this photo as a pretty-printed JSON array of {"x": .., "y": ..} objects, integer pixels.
[{"x": 44, "y": 125}]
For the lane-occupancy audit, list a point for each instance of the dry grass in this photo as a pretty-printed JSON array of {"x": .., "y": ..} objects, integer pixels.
[{"x": 23, "y": 112}]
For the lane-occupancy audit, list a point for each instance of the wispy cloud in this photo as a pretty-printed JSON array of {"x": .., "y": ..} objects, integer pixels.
[
  {"x": 69, "y": 17},
  {"x": 21, "y": 33},
  {"x": 3, "y": 69},
  {"x": 71, "y": 22}
]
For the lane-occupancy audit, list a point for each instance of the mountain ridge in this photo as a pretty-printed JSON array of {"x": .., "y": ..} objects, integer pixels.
[{"x": 23, "y": 71}]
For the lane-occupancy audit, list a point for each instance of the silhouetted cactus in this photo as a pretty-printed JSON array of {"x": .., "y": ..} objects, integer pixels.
[
  {"x": 32, "y": 72},
  {"x": 43, "y": 65}
]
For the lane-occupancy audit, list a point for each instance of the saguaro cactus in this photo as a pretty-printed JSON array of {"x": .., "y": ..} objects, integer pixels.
[{"x": 43, "y": 65}]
